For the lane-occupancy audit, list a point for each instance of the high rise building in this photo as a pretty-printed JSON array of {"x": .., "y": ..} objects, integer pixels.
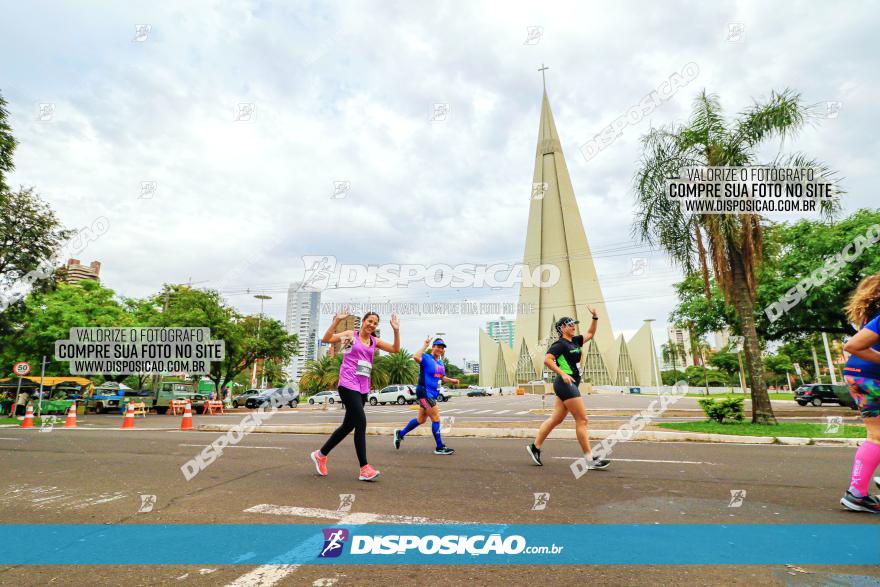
[
  {"x": 471, "y": 367},
  {"x": 681, "y": 339},
  {"x": 555, "y": 236},
  {"x": 501, "y": 330},
  {"x": 301, "y": 319},
  {"x": 74, "y": 271}
]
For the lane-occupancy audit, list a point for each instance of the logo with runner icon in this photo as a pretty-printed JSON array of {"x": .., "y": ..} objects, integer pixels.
[{"x": 334, "y": 541}]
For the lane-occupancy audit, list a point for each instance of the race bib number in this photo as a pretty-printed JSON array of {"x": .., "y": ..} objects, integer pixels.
[{"x": 364, "y": 368}]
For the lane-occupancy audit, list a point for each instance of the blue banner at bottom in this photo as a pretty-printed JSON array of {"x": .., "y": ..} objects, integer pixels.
[{"x": 419, "y": 544}]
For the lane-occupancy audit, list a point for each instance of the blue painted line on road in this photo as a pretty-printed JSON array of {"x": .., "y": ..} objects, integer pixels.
[{"x": 608, "y": 544}]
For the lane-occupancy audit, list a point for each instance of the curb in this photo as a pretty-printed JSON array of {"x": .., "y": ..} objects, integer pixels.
[{"x": 459, "y": 432}]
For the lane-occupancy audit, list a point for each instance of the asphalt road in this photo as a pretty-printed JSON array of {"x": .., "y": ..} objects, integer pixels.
[{"x": 99, "y": 475}]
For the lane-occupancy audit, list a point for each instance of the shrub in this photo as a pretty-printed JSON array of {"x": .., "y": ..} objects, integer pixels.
[{"x": 725, "y": 409}]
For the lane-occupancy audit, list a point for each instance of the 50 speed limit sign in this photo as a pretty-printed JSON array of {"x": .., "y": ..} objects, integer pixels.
[{"x": 22, "y": 368}]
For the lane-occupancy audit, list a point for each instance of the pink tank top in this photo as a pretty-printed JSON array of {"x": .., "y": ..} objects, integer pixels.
[{"x": 357, "y": 362}]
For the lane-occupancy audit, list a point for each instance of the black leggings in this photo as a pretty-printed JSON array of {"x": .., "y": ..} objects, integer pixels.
[{"x": 355, "y": 419}]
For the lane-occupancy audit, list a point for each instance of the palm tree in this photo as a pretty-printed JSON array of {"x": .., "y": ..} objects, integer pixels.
[
  {"x": 379, "y": 372},
  {"x": 401, "y": 368},
  {"x": 670, "y": 352},
  {"x": 730, "y": 243},
  {"x": 321, "y": 374}
]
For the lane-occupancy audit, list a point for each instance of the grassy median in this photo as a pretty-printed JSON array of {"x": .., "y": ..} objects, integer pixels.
[
  {"x": 802, "y": 429},
  {"x": 774, "y": 395},
  {"x": 17, "y": 421}
]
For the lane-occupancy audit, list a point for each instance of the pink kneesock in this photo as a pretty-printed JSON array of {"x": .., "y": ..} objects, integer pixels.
[{"x": 864, "y": 464}]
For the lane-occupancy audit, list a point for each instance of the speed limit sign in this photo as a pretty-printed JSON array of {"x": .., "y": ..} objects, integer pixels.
[{"x": 21, "y": 369}]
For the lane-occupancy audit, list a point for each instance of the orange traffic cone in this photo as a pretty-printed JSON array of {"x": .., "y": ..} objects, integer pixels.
[
  {"x": 187, "y": 422},
  {"x": 128, "y": 422},
  {"x": 28, "y": 421},
  {"x": 71, "y": 417}
]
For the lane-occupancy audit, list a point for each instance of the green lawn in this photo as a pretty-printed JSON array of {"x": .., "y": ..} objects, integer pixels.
[
  {"x": 17, "y": 421},
  {"x": 785, "y": 395},
  {"x": 803, "y": 429}
]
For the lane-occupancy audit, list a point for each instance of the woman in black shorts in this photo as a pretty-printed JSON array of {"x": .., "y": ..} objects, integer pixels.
[{"x": 563, "y": 358}]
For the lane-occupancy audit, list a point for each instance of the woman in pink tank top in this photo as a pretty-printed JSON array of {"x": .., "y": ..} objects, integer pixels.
[{"x": 358, "y": 352}]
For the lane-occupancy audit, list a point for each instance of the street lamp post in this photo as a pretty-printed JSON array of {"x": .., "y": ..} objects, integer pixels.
[{"x": 262, "y": 298}]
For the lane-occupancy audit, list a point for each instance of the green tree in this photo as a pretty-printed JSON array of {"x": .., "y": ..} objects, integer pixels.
[
  {"x": 273, "y": 371},
  {"x": 671, "y": 377},
  {"x": 699, "y": 376},
  {"x": 47, "y": 316},
  {"x": 726, "y": 361},
  {"x": 673, "y": 354},
  {"x": 321, "y": 374},
  {"x": 795, "y": 251},
  {"x": 702, "y": 314},
  {"x": 470, "y": 379},
  {"x": 7, "y": 147},
  {"x": 776, "y": 367},
  {"x": 30, "y": 234},
  {"x": 246, "y": 338},
  {"x": 401, "y": 368},
  {"x": 801, "y": 352},
  {"x": 731, "y": 245}
]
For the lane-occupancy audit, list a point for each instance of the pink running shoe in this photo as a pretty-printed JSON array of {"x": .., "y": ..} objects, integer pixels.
[
  {"x": 368, "y": 473},
  {"x": 320, "y": 463}
]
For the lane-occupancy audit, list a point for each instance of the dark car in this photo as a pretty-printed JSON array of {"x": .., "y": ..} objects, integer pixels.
[
  {"x": 242, "y": 398},
  {"x": 478, "y": 393},
  {"x": 819, "y": 393},
  {"x": 282, "y": 395}
]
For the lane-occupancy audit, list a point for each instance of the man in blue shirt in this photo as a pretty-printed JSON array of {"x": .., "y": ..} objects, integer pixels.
[{"x": 432, "y": 372}]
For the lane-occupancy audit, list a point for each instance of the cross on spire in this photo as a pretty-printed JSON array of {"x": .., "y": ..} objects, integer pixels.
[{"x": 542, "y": 69}]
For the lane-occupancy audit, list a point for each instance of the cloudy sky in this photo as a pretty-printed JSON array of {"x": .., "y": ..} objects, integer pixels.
[{"x": 345, "y": 92}]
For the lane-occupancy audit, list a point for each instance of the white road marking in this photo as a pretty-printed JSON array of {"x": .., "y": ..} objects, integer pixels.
[
  {"x": 10, "y": 438},
  {"x": 465, "y": 411},
  {"x": 482, "y": 412},
  {"x": 264, "y": 576},
  {"x": 521, "y": 413},
  {"x": 502, "y": 412},
  {"x": 231, "y": 446},
  {"x": 343, "y": 517},
  {"x": 49, "y": 496},
  {"x": 647, "y": 461},
  {"x": 268, "y": 575}
]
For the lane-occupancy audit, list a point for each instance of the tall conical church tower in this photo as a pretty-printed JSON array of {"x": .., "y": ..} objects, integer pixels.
[{"x": 555, "y": 236}]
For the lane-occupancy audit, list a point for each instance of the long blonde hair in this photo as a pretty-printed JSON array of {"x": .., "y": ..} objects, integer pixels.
[{"x": 864, "y": 303}]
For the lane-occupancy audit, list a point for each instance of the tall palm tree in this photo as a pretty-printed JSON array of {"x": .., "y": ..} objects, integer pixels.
[
  {"x": 321, "y": 374},
  {"x": 671, "y": 351},
  {"x": 401, "y": 368},
  {"x": 731, "y": 244}
]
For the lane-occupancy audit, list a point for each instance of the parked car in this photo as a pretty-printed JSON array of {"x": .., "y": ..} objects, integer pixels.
[
  {"x": 242, "y": 398},
  {"x": 471, "y": 388},
  {"x": 478, "y": 392},
  {"x": 280, "y": 396},
  {"x": 444, "y": 393},
  {"x": 819, "y": 393},
  {"x": 331, "y": 397},
  {"x": 393, "y": 394}
]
